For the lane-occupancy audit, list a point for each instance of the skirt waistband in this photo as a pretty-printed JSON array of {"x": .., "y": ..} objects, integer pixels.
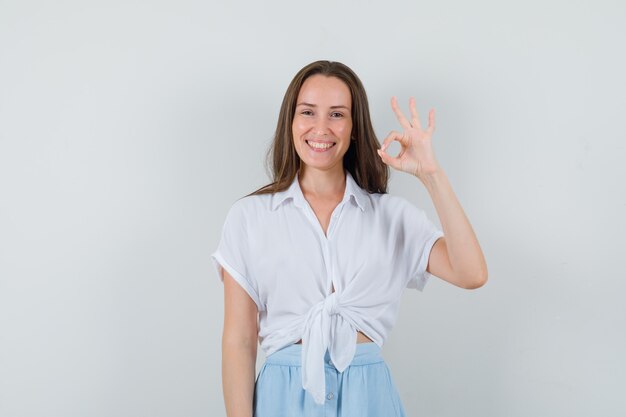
[{"x": 365, "y": 354}]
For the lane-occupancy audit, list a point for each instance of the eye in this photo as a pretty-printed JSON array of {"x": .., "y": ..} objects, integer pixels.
[
  {"x": 336, "y": 114},
  {"x": 306, "y": 112}
]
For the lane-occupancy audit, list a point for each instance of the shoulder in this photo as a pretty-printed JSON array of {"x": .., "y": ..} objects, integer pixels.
[
  {"x": 249, "y": 207},
  {"x": 393, "y": 204},
  {"x": 252, "y": 202}
]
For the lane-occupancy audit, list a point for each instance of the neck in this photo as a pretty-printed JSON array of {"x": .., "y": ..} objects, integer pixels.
[{"x": 322, "y": 183}]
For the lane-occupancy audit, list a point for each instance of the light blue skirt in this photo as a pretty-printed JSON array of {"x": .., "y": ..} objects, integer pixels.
[{"x": 364, "y": 389}]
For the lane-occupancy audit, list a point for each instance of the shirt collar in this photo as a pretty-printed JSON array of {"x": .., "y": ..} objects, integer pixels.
[{"x": 294, "y": 192}]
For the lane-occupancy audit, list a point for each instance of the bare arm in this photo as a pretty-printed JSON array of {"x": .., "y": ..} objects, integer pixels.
[
  {"x": 239, "y": 347},
  {"x": 457, "y": 257}
]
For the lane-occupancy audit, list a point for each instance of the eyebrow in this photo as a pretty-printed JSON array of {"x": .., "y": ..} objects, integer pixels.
[{"x": 315, "y": 105}]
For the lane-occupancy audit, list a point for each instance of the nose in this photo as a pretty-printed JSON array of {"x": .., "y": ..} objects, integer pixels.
[{"x": 321, "y": 127}]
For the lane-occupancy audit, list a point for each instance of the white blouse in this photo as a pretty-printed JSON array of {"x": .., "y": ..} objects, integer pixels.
[{"x": 275, "y": 248}]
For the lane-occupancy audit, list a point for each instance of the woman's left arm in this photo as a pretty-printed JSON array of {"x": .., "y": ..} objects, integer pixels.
[{"x": 456, "y": 257}]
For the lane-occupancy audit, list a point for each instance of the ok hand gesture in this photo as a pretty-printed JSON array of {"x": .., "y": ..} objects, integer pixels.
[{"x": 416, "y": 155}]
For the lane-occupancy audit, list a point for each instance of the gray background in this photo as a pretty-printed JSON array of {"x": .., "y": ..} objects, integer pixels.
[{"x": 128, "y": 128}]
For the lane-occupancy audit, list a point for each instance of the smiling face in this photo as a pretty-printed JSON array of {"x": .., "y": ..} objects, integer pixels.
[{"x": 322, "y": 123}]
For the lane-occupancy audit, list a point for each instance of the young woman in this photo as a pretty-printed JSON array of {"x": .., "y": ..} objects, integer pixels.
[{"x": 321, "y": 255}]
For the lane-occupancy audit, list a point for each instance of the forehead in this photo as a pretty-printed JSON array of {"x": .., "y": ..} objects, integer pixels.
[{"x": 324, "y": 90}]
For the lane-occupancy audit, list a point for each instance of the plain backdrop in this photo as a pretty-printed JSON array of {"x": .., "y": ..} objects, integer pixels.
[{"x": 128, "y": 128}]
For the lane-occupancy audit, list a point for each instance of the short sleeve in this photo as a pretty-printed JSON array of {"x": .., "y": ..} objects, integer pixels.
[
  {"x": 421, "y": 236},
  {"x": 233, "y": 252}
]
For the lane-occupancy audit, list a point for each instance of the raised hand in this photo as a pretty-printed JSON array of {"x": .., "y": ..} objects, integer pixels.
[{"x": 416, "y": 155}]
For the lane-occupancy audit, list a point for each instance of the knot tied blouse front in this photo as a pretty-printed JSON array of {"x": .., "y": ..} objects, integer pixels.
[{"x": 275, "y": 248}]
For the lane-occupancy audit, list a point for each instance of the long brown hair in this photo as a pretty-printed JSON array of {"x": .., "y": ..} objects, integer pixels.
[{"x": 361, "y": 158}]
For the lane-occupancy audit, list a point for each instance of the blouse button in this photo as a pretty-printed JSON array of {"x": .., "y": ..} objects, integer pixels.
[{"x": 330, "y": 396}]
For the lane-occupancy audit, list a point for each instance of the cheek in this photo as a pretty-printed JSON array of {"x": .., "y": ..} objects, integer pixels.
[
  {"x": 345, "y": 129},
  {"x": 297, "y": 127},
  {"x": 296, "y": 134}
]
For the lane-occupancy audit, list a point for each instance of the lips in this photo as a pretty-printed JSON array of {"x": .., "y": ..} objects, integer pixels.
[{"x": 320, "y": 145}]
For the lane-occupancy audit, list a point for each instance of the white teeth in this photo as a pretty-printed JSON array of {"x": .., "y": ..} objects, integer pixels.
[{"x": 318, "y": 145}]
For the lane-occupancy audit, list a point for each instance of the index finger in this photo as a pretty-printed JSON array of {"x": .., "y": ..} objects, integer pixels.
[{"x": 403, "y": 120}]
